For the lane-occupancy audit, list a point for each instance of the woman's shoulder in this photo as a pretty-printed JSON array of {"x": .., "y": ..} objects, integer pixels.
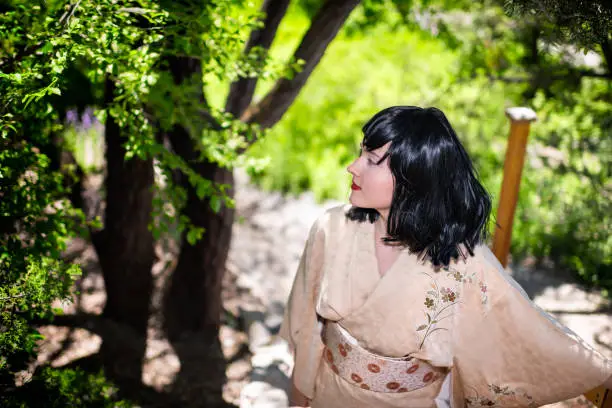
[
  {"x": 333, "y": 222},
  {"x": 333, "y": 217},
  {"x": 485, "y": 257}
]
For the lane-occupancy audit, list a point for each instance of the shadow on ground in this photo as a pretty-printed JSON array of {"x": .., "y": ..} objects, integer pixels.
[{"x": 74, "y": 338}]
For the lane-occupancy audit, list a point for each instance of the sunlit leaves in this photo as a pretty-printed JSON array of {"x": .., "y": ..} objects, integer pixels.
[
  {"x": 119, "y": 50},
  {"x": 36, "y": 224},
  {"x": 585, "y": 23}
]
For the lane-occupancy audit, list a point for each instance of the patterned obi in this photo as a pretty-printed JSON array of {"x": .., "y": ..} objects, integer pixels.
[{"x": 370, "y": 371}]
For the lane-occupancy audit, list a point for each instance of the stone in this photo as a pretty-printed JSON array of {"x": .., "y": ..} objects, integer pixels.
[
  {"x": 260, "y": 394},
  {"x": 238, "y": 370}
]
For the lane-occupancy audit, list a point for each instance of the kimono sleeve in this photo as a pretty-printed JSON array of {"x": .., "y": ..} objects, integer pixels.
[
  {"x": 300, "y": 327},
  {"x": 513, "y": 354}
]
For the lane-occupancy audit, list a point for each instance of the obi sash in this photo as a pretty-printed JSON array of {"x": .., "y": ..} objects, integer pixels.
[{"x": 370, "y": 371}]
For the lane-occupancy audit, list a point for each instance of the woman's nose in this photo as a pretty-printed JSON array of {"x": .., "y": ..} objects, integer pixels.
[{"x": 352, "y": 168}]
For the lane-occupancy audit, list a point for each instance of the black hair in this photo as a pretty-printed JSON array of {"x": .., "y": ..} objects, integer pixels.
[{"x": 438, "y": 203}]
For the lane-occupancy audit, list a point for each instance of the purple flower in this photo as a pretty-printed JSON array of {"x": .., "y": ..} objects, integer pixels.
[
  {"x": 72, "y": 117},
  {"x": 87, "y": 118}
]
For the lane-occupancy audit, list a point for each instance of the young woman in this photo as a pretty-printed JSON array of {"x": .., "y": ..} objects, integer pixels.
[{"x": 397, "y": 301}]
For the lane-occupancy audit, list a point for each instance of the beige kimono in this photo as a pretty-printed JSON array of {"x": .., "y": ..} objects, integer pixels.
[{"x": 499, "y": 348}]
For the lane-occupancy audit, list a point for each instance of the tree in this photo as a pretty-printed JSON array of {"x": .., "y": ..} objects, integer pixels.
[
  {"x": 146, "y": 63},
  {"x": 577, "y": 94},
  {"x": 193, "y": 302}
]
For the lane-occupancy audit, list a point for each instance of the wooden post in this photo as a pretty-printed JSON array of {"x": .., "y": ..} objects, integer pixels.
[{"x": 520, "y": 119}]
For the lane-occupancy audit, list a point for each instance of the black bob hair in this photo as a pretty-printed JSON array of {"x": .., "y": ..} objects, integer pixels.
[{"x": 438, "y": 205}]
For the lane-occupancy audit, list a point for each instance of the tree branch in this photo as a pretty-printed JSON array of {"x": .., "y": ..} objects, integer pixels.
[
  {"x": 584, "y": 73},
  {"x": 323, "y": 29},
  {"x": 65, "y": 18},
  {"x": 606, "y": 49},
  {"x": 241, "y": 92}
]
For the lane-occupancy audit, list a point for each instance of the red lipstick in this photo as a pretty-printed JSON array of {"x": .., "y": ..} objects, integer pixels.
[{"x": 355, "y": 187}]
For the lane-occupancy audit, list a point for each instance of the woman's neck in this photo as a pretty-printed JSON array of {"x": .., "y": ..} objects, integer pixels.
[{"x": 380, "y": 226}]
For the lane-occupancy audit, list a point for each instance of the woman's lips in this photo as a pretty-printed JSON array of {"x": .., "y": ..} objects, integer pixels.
[{"x": 355, "y": 187}]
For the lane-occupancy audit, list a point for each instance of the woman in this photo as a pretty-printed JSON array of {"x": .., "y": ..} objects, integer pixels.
[{"x": 397, "y": 302}]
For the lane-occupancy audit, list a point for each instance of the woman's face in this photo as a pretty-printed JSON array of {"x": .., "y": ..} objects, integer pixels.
[{"x": 372, "y": 183}]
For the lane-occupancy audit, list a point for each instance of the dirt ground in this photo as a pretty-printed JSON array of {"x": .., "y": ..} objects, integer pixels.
[{"x": 64, "y": 345}]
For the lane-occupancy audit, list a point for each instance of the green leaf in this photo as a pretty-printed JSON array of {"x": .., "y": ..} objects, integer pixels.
[
  {"x": 215, "y": 203},
  {"x": 202, "y": 189},
  {"x": 194, "y": 234}
]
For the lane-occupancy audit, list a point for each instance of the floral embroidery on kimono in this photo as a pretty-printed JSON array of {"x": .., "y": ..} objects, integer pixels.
[
  {"x": 499, "y": 396},
  {"x": 440, "y": 300}
]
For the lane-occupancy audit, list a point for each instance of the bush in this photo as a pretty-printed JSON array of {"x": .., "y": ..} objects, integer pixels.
[{"x": 61, "y": 388}]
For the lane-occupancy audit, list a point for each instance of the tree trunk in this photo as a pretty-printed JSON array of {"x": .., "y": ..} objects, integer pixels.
[
  {"x": 606, "y": 50},
  {"x": 194, "y": 294},
  {"x": 125, "y": 251},
  {"x": 242, "y": 91},
  {"x": 323, "y": 29},
  {"x": 193, "y": 306},
  {"x": 192, "y": 302}
]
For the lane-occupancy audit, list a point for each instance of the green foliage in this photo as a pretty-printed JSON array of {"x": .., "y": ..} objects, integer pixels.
[
  {"x": 36, "y": 220},
  {"x": 52, "y": 388},
  {"x": 35, "y": 223},
  {"x": 113, "y": 56},
  {"x": 572, "y": 161}
]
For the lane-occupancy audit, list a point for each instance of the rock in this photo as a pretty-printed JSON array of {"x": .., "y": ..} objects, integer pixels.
[
  {"x": 231, "y": 341},
  {"x": 259, "y": 394},
  {"x": 274, "y": 317},
  {"x": 259, "y": 336},
  {"x": 238, "y": 370}
]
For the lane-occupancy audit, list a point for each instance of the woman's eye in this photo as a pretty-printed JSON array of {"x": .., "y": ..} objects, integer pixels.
[{"x": 368, "y": 159}]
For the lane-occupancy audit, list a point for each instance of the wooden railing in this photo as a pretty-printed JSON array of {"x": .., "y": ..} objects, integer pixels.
[{"x": 520, "y": 121}]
